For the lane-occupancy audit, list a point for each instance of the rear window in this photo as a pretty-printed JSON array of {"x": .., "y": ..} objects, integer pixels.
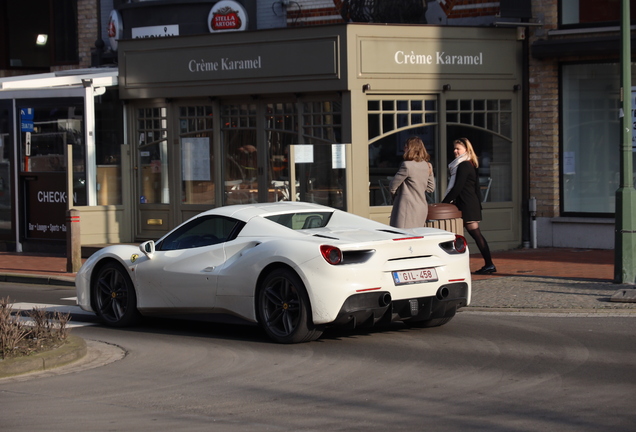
[{"x": 299, "y": 221}]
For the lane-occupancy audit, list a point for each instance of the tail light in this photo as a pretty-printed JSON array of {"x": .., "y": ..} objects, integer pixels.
[
  {"x": 460, "y": 244},
  {"x": 457, "y": 246},
  {"x": 331, "y": 254}
]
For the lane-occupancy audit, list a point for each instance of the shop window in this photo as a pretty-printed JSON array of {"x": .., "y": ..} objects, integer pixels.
[
  {"x": 494, "y": 115},
  {"x": 281, "y": 131},
  {"x": 322, "y": 120},
  {"x": 592, "y": 13},
  {"x": 49, "y": 129},
  {"x": 323, "y": 180},
  {"x": 152, "y": 145},
  {"x": 391, "y": 122},
  {"x": 590, "y": 158},
  {"x": 197, "y": 154},
  {"x": 487, "y": 123},
  {"x": 238, "y": 130},
  {"x": 108, "y": 139}
]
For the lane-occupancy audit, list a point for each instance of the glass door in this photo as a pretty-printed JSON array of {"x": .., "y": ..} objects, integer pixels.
[{"x": 152, "y": 163}]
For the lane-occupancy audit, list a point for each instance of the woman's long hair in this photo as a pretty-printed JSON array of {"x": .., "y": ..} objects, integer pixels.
[
  {"x": 472, "y": 157},
  {"x": 414, "y": 150}
]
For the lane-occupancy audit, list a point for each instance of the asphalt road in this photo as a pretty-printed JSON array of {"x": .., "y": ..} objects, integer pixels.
[{"x": 482, "y": 371}]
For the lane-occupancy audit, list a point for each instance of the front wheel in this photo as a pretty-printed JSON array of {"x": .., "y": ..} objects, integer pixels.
[
  {"x": 114, "y": 298},
  {"x": 283, "y": 307}
]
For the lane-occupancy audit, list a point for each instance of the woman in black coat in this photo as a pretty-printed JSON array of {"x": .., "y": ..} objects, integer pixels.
[{"x": 463, "y": 191}]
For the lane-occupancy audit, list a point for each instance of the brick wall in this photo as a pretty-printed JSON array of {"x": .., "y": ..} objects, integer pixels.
[
  {"x": 313, "y": 12},
  {"x": 544, "y": 116},
  {"x": 87, "y": 30}
]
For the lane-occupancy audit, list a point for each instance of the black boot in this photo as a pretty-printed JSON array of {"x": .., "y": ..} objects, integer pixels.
[{"x": 487, "y": 270}]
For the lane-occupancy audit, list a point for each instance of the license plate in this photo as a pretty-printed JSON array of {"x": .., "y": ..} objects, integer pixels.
[{"x": 414, "y": 276}]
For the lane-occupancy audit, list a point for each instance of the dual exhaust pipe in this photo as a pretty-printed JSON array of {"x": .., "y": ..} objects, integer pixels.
[{"x": 385, "y": 299}]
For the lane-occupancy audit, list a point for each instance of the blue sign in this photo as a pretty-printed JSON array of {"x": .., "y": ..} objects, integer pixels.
[
  {"x": 26, "y": 113},
  {"x": 26, "y": 119},
  {"x": 26, "y": 125}
]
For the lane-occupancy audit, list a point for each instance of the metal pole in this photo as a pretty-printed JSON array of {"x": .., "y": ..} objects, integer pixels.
[
  {"x": 625, "y": 229},
  {"x": 73, "y": 241},
  {"x": 73, "y": 238},
  {"x": 532, "y": 206}
]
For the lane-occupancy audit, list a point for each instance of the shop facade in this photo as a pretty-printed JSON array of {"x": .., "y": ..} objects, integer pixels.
[
  {"x": 315, "y": 114},
  {"x": 57, "y": 131},
  {"x": 318, "y": 114},
  {"x": 575, "y": 108}
]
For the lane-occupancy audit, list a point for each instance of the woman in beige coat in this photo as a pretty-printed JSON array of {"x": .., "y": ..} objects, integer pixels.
[{"x": 409, "y": 186}]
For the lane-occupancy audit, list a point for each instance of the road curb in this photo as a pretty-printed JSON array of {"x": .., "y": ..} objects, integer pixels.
[
  {"x": 74, "y": 349},
  {"x": 37, "y": 279},
  {"x": 553, "y": 311}
]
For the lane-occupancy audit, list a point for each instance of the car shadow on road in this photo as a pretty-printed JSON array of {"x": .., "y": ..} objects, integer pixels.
[{"x": 245, "y": 331}]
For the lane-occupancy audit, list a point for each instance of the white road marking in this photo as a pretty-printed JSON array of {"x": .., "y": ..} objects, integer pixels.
[{"x": 73, "y": 310}]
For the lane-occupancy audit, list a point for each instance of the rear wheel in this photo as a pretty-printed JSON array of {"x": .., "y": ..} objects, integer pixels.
[
  {"x": 114, "y": 296},
  {"x": 283, "y": 307}
]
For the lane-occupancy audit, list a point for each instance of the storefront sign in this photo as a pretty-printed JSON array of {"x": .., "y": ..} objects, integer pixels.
[
  {"x": 304, "y": 60},
  {"x": 224, "y": 63},
  {"x": 46, "y": 206},
  {"x": 227, "y": 15},
  {"x": 428, "y": 56},
  {"x": 155, "y": 31},
  {"x": 115, "y": 29}
]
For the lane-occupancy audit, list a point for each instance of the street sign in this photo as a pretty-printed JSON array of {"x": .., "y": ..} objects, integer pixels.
[{"x": 26, "y": 119}]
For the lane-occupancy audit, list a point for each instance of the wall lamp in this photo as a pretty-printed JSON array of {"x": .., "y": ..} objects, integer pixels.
[
  {"x": 446, "y": 87},
  {"x": 366, "y": 88},
  {"x": 41, "y": 39}
]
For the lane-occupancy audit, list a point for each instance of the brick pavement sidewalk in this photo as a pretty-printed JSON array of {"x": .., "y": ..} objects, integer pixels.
[
  {"x": 41, "y": 268},
  {"x": 552, "y": 278},
  {"x": 556, "y": 262},
  {"x": 549, "y": 279}
]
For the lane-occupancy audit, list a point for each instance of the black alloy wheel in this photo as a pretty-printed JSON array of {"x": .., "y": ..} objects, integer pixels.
[
  {"x": 114, "y": 296},
  {"x": 283, "y": 307}
]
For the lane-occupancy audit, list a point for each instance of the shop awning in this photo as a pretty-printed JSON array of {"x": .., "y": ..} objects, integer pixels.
[{"x": 69, "y": 79}]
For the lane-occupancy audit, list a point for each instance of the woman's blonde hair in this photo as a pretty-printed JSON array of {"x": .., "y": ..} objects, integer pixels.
[
  {"x": 472, "y": 157},
  {"x": 415, "y": 150}
]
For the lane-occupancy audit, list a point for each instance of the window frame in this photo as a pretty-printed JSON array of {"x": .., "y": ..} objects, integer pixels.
[
  {"x": 562, "y": 139},
  {"x": 599, "y": 24}
]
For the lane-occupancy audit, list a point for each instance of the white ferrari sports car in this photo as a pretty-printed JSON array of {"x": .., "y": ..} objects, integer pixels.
[{"x": 293, "y": 268}]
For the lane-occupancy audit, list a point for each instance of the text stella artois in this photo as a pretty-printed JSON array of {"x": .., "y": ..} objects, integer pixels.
[{"x": 226, "y": 19}]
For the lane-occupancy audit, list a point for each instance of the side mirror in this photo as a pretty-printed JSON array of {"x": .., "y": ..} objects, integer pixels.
[{"x": 148, "y": 248}]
